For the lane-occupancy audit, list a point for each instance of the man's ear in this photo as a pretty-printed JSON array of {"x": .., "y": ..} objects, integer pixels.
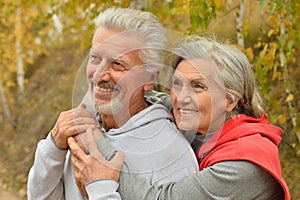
[
  {"x": 151, "y": 81},
  {"x": 231, "y": 103},
  {"x": 148, "y": 86}
]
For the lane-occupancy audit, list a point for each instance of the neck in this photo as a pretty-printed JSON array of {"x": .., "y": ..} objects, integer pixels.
[{"x": 119, "y": 119}]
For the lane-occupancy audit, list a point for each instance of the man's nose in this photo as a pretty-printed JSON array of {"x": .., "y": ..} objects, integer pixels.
[{"x": 102, "y": 73}]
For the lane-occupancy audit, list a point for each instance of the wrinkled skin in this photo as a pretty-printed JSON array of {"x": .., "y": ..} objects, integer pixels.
[
  {"x": 71, "y": 123},
  {"x": 94, "y": 166}
]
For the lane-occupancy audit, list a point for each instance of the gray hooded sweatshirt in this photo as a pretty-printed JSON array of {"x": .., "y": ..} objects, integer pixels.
[{"x": 153, "y": 147}]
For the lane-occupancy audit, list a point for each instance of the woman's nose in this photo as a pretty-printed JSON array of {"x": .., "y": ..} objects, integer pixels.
[
  {"x": 184, "y": 99},
  {"x": 184, "y": 95}
]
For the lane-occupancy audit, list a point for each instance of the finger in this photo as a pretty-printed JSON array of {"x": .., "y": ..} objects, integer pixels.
[
  {"x": 118, "y": 160},
  {"x": 82, "y": 105},
  {"x": 92, "y": 146},
  {"x": 76, "y": 165},
  {"x": 80, "y": 141},
  {"x": 76, "y": 151},
  {"x": 77, "y": 129},
  {"x": 81, "y": 110},
  {"x": 85, "y": 120},
  {"x": 97, "y": 134},
  {"x": 88, "y": 139},
  {"x": 84, "y": 140}
]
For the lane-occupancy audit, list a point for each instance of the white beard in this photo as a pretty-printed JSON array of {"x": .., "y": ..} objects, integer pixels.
[{"x": 113, "y": 107}]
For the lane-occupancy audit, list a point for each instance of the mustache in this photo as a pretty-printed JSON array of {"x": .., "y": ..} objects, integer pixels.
[{"x": 105, "y": 83}]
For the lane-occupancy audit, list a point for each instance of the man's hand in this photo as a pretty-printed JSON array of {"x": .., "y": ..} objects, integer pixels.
[
  {"x": 70, "y": 123},
  {"x": 91, "y": 167}
]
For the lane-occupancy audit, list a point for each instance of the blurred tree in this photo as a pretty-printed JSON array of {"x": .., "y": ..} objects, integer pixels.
[
  {"x": 20, "y": 42},
  {"x": 240, "y": 24},
  {"x": 5, "y": 105},
  {"x": 18, "y": 37},
  {"x": 276, "y": 67}
]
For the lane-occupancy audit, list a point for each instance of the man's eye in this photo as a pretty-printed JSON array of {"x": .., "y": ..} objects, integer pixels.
[
  {"x": 94, "y": 59},
  {"x": 118, "y": 66},
  {"x": 199, "y": 86}
]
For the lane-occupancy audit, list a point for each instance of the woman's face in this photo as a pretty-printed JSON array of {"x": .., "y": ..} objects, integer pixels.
[{"x": 199, "y": 102}]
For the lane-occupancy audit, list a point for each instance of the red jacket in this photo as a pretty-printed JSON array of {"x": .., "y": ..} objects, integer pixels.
[{"x": 246, "y": 138}]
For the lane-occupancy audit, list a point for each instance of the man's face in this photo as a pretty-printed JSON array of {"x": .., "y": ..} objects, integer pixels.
[{"x": 115, "y": 71}]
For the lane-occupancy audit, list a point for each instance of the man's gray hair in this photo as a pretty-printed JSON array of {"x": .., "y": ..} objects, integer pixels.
[{"x": 145, "y": 24}]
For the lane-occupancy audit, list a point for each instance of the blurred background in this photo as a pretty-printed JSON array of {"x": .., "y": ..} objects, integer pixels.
[{"x": 43, "y": 43}]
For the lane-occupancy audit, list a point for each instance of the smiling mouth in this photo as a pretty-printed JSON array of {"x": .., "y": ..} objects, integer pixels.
[
  {"x": 106, "y": 89},
  {"x": 187, "y": 111}
]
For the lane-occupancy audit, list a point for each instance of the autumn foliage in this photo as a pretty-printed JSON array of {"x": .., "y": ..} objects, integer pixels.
[{"x": 42, "y": 44}]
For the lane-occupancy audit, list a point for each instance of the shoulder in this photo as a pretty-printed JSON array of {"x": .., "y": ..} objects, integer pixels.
[
  {"x": 155, "y": 97},
  {"x": 247, "y": 176},
  {"x": 154, "y": 112}
]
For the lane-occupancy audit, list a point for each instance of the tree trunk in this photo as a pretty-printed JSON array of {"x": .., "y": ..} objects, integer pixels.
[
  {"x": 6, "y": 107},
  {"x": 283, "y": 64},
  {"x": 20, "y": 67},
  {"x": 240, "y": 24}
]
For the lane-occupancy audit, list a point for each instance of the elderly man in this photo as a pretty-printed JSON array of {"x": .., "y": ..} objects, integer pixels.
[{"x": 124, "y": 62}]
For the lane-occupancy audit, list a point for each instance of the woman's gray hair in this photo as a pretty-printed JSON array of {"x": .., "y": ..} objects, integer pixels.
[
  {"x": 235, "y": 71},
  {"x": 144, "y": 23}
]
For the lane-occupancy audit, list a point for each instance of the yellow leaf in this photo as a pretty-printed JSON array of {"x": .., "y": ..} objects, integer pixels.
[
  {"x": 258, "y": 45},
  {"x": 275, "y": 75},
  {"x": 270, "y": 32},
  {"x": 290, "y": 97},
  {"x": 219, "y": 3},
  {"x": 249, "y": 53},
  {"x": 274, "y": 20},
  {"x": 281, "y": 118}
]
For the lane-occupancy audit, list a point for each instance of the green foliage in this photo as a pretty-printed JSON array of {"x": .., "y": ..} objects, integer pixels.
[
  {"x": 200, "y": 12},
  {"x": 263, "y": 3},
  {"x": 275, "y": 64}
]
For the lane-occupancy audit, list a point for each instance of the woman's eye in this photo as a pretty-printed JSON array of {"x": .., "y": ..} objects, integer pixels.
[{"x": 176, "y": 82}]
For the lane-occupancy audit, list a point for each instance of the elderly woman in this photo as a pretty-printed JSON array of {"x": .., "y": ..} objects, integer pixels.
[{"x": 214, "y": 95}]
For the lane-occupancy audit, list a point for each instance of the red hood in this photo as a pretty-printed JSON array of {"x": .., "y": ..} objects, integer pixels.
[
  {"x": 242, "y": 126},
  {"x": 244, "y": 138}
]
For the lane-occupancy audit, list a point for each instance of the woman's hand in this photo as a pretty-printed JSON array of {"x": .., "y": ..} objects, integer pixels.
[
  {"x": 87, "y": 140},
  {"x": 93, "y": 166}
]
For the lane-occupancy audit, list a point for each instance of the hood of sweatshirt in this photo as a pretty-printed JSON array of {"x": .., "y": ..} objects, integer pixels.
[
  {"x": 156, "y": 111},
  {"x": 146, "y": 116},
  {"x": 242, "y": 126},
  {"x": 246, "y": 138}
]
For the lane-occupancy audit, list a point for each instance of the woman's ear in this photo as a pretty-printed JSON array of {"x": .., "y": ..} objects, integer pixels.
[
  {"x": 231, "y": 103},
  {"x": 151, "y": 81}
]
